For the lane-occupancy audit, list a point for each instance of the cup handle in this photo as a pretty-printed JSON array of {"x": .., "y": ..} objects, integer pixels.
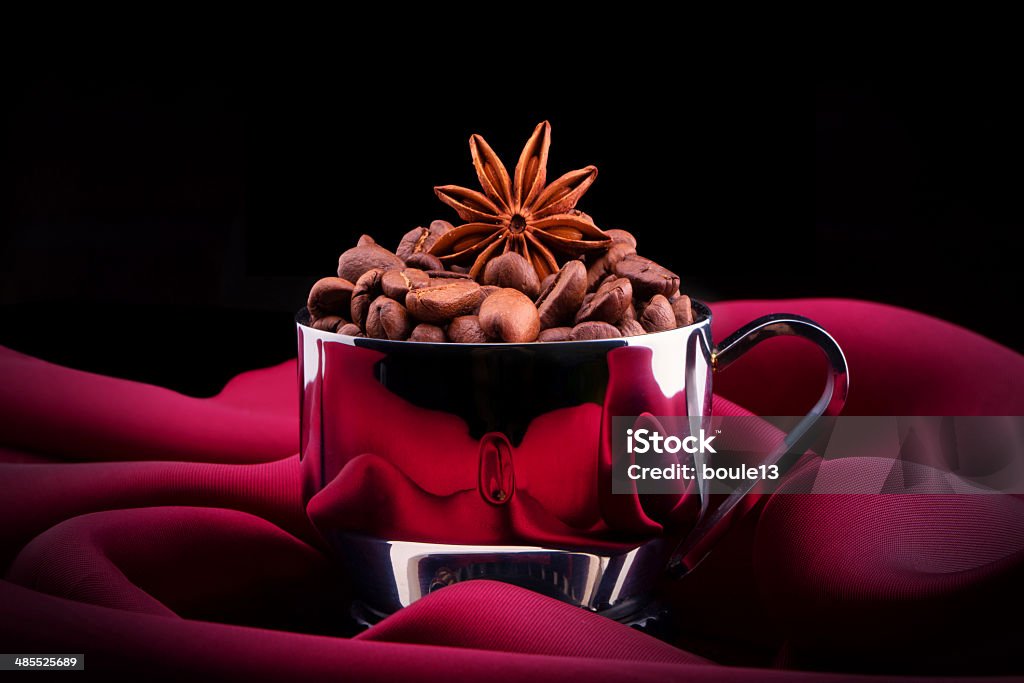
[{"x": 695, "y": 546}]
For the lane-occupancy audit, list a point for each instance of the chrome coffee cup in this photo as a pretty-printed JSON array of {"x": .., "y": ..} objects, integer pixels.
[{"x": 426, "y": 464}]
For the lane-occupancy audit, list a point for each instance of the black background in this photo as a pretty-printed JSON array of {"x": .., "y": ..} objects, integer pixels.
[{"x": 163, "y": 221}]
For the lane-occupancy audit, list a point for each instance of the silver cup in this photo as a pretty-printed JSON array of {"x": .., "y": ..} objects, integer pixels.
[{"x": 477, "y": 411}]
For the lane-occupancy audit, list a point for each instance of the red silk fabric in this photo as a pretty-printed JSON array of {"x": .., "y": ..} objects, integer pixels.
[{"x": 158, "y": 532}]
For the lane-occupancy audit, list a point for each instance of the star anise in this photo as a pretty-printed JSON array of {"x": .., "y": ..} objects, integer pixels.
[{"x": 523, "y": 215}]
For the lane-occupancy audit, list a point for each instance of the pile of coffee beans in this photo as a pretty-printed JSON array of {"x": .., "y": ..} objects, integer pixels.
[{"x": 408, "y": 295}]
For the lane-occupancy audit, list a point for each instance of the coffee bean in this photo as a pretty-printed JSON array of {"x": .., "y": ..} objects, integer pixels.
[
  {"x": 351, "y": 330},
  {"x": 611, "y": 283},
  {"x": 554, "y": 334},
  {"x": 619, "y": 251},
  {"x": 605, "y": 265},
  {"x": 658, "y": 315},
  {"x": 622, "y": 236},
  {"x": 683, "y": 311},
  {"x": 397, "y": 283},
  {"x": 425, "y": 332},
  {"x": 329, "y": 323},
  {"x": 367, "y": 289},
  {"x": 648, "y": 277},
  {"x": 330, "y": 296},
  {"x": 512, "y": 270},
  {"x": 388, "y": 319},
  {"x": 597, "y": 272},
  {"x": 486, "y": 290},
  {"x": 424, "y": 261},
  {"x": 563, "y": 296},
  {"x": 593, "y": 330},
  {"x": 420, "y": 240},
  {"x": 631, "y": 328},
  {"x": 546, "y": 282},
  {"x": 609, "y": 302},
  {"x": 447, "y": 275},
  {"x": 466, "y": 329},
  {"x": 510, "y": 316},
  {"x": 442, "y": 302},
  {"x": 608, "y": 278},
  {"x": 410, "y": 241},
  {"x": 614, "y": 282},
  {"x": 357, "y": 260}
]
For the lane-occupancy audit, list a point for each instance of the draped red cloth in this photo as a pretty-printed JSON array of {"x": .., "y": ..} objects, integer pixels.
[{"x": 165, "y": 535}]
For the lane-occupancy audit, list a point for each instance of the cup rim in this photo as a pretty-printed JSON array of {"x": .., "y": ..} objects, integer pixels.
[{"x": 702, "y": 320}]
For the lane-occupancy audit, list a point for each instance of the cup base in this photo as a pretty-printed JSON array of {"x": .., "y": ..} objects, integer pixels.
[{"x": 389, "y": 575}]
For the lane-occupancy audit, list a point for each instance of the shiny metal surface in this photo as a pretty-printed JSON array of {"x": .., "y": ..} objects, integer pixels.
[
  {"x": 394, "y": 574},
  {"x": 484, "y": 388},
  {"x": 500, "y": 420},
  {"x": 837, "y": 384}
]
